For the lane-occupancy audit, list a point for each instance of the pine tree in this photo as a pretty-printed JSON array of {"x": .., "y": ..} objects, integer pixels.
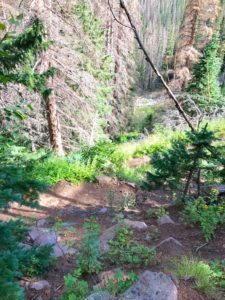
[
  {"x": 18, "y": 53},
  {"x": 205, "y": 84}
]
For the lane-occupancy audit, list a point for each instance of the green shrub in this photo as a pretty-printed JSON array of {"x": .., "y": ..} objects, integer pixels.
[
  {"x": 123, "y": 251},
  {"x": 208, "y": 214},
  {"x": 198, "y": 272},
  {"x": 126, "y": 137},
  {"x": 16, "y": 261},
  {"x": 183, "y": 160},
  {"x": 205, "y": 82},
  {"x": 36, "y": 261},
  {"x": 104, "y": 155},
  {"x": 89, "y": 258},
  {"x": 53, "y": 170},
  {"x": 119, "y": 284},
  {"x": 75, "y": 289}
]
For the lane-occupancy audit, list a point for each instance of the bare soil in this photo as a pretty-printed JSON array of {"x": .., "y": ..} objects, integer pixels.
[{"x": 69, "y": 203}]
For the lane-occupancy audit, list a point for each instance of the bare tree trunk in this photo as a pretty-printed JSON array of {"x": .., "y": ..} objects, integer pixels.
[{"x": 53, "y": 122}]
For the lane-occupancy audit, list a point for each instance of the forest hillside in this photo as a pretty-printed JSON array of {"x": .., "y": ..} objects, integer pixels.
[{"x": 112, "y": 149}]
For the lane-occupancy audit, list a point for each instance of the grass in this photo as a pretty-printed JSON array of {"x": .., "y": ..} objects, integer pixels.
[
  {"x": 53, "y": 170},
  {"x": 198, "y": 272}
]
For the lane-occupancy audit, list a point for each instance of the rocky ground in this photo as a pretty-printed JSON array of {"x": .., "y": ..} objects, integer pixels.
[{"x": 60, "y": 218}]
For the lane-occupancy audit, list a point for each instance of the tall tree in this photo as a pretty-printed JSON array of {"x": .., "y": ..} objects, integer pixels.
[{"x": 196, "y": 31}]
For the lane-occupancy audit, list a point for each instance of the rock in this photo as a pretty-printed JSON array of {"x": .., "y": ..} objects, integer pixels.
[
  {"x": 152, "y": 286},
  {"x": 100, "y": 296},
  {"x": 46, "y": 237},
  {"x": 40, "y": 285},
  {"x": 106, "y": 180},
  {"x": 69, "y": 224},
  {"x": 103, "y": 210},
  {"x": 61, "y": 250},
  {"x": 135, "y": 224},
  {"x": 41, "y": 222},
  {"x": 170, "y": 246},
  {"x": 34, "y": 233},
  {"x": 107, "y": 236},
  {"x": 165, "y": 220},
  {"x": 219, "y": 187},
  {"x": 110, "y": 233}
]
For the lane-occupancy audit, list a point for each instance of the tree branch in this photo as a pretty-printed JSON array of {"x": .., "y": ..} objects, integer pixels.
[{"x": 148, "y": 59}]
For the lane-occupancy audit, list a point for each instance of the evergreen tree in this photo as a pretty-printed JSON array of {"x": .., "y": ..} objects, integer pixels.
[
  {"x": 205, "y": 84},
  {"x": 18, "y": 54}
]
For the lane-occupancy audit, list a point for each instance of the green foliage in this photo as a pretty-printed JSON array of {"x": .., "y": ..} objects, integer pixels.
[
  {"x": 126, "y": 252},
  {"x": 75, "y": 289},
  {"x": 102, "y": 71},
  {"x": 18, "y": 54},
  {"x": 156, "y": 212},
  {"x": 36, "y": 261},
  {"x": 16, "y": 261},
  {"x": 89, "y": 259},
  {"x": 207, "y": 213},
  {"x": 198, "y": 272},
  {"x": 53, "y": 169},
  {"x": 103, "y": 154},
  {"x": 188, "y": 154},
  {"x": 120, "y": 284},
  {"x": 128, "y": 136},
  {"x": 91, "y": 25},
  {"x": 205, "y": 82},
  {"x": 218, "y": 268}
]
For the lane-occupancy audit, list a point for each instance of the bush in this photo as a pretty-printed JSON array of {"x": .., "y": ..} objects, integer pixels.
[
  {"x": 126, "y": 252},
  {"x": 119, "y": 284},
  {"x": 53, "y": 170},
  {"x": 16, "y": 261},
  {"x": 208, "y": 214},
  {"x": 198, "y": 272},
  {"x": 89, "y": 259},
  {"x": 75, "y": 289},
  {"x": 181, "y": 162}
]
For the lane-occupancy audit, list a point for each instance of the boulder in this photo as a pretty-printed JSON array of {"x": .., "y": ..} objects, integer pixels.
[
  {"x": 106, "y": 180},
  {"x": 165, "y": 220},
  {"x": 40, "y": 285},
  {"x": 46, "y": 238},
  {"x": 135, "y": 224},
  {"x": 110, "y": 233},
  {"x": 152, "y": 286},
  {"x": 61, "y": 250},
  {"x": 170, "y": 247},
  {"x": 41, "y": 222},
  {"x": 100, "y": 296}
]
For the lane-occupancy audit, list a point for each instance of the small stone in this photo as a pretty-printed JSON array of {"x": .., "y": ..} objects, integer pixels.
[
  {"x": 165, "y": 220},
  {"x": 100, "y": 296},
  {"x": 103, "y": 210},
  {"x": 69, "y": 224},
  {"x": 40, "y": 285}
]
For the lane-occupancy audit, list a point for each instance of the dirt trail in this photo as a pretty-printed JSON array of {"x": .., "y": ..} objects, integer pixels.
[{"x": 75, "y": 204}]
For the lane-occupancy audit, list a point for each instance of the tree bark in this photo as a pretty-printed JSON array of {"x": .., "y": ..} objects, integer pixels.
[{"x": 53, "y": 122}]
